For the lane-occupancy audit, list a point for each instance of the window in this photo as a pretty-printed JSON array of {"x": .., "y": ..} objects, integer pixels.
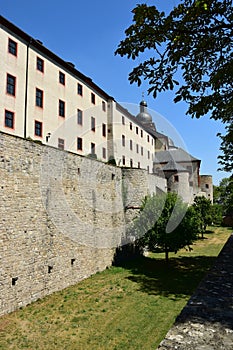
[
  {"x": 80, "y": 117},
  {"x": 131, "y": 126},
  {"x": 103, "y": 106},
  {"x": 92, "y": 124},
  {"x": 61, "y": 78},
  {"x": 123, "y": 160},
  {"x": 38, "y": 128},
  {"x": 104, "y": 130},
  {"x": 131, "y": 163},
  {"x": 176, "y": 178},
  {"x": 40, "y": 64},
  {"x": 141, "y": 133},
  {"x": 10, "y": 86},
  {"x": 123, "y": 140},
  {"x": 92, "y": 148},
  {"x": 136, "y": 130},
  {"x": 131, "y": 145},
  {"x": 9, "y": 119},
  {"x": 148, "y": 138},
  {"x": 123, "y": 120},
  {"x": 61, "y": 108},
  {"x": 148, "y": 154},
  {"x": 139, "y": 165},
  {"x": 152, "y": 141},
  {"x": 79, "y": 144},
  {"x": 39, "y": 98},
  {"x": 137, "y": 148},
  {"x": 104, "y": 152},
  {"x": 12, "y": 47},
  {"x": 206, "y": 186},
  {"x": 92, "y": 98},
  {"x": 61, "y": 143},
  {"x": 80, "y": 89},
  {"x": 142, "y": 151}
]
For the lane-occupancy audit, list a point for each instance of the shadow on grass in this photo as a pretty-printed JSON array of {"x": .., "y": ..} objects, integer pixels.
[
  {"x": 209, "y": 231},
  {"x": 177, "y": 278}
]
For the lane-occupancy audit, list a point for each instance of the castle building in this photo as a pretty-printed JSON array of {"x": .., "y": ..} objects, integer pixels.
[{"x": 47, "y": 99}]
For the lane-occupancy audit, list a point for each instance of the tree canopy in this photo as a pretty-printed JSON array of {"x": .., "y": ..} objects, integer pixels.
[
  {"x": 156, "y": 213},
  {"x": 223, "y": 195},
  {"x": 203, "y": 209},
  {"x": 195, "y": 38}
]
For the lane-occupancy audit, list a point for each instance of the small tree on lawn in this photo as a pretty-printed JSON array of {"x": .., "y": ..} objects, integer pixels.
[
  {"x": 216, "y": 213},
  {"x": 203, "y": 209},
  {"x": 158, "y": 235}
]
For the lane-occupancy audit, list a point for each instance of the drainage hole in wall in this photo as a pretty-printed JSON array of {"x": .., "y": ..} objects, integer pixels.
[{"x": 14, "y": 280}]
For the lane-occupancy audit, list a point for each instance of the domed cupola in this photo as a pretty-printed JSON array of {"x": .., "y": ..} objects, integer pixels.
[{"x": 144, "y": 117}]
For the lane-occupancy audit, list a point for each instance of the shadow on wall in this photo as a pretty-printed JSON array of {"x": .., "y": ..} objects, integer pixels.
[{"x": 128, "y": 252}]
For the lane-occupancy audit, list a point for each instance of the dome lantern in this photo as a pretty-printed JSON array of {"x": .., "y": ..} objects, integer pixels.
[{"x": 144, "y": 117}]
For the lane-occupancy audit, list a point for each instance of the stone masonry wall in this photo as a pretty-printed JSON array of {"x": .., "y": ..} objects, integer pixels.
[
  {"x": 62, "y": 216},
  {"x": 53, "y": 207},
  {"x": 136, "y": 185}
]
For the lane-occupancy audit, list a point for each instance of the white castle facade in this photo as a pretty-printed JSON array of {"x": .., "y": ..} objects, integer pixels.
[{"x": 46, "y": 99}]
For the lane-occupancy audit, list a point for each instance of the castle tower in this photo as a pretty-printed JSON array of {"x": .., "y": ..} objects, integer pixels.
[
  {"x": 206, "y": 184},
  {"x": 177, "y": 180}
]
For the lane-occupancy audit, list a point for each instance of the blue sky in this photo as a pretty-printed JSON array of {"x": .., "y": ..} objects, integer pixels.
[{"x": 87, "y": 33}]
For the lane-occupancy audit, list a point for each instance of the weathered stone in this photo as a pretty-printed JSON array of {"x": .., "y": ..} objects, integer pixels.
[{"x": 56, "y": 208}]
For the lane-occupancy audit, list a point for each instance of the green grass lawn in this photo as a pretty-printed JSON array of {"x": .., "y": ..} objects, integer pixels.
[{"x": 128, "y": 307}]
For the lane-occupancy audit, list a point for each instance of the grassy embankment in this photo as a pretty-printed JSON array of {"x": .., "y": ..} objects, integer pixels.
[{"x": 129, "y": 307}]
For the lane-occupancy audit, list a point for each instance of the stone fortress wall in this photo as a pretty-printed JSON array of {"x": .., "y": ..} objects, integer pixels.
[{"x": 62, "y": 217}]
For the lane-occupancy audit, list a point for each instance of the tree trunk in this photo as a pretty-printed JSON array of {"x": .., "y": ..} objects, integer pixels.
[
  {"x": 166, "y": 255},
  {"x": 202, "y": 233}
]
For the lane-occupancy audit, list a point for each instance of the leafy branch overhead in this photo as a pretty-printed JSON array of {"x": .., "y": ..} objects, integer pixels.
[{"x": 194, "y": 39}]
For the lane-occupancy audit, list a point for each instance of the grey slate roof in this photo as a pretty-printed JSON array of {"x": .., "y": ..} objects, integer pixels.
[
  {"x": 172, "y": 165},
  {"x": 176, "y": 154}
]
